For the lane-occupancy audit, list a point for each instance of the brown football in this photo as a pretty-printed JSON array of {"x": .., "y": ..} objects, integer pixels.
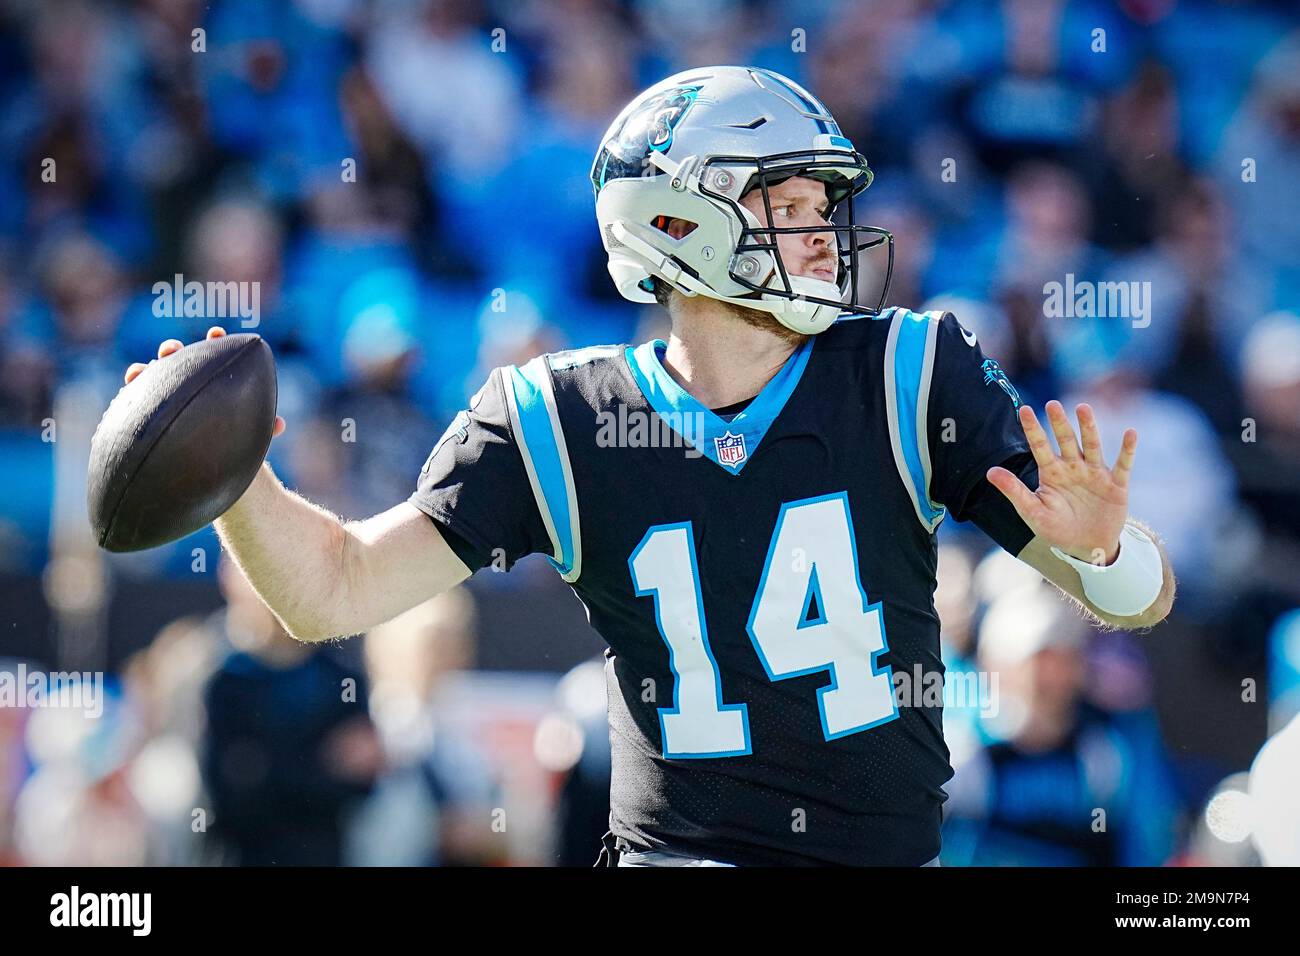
[{"x": 181, "y": 442}]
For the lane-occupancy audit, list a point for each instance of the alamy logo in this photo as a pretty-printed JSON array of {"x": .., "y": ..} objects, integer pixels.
[
  {"x": 210, "y": 300},
  {"x": 1098, "y": 300},
  {"x": 639, "y": 428},
  {"x": 955, "y": 690},
  {"x": 35, "y": 689},
  {"x": 134, "y": 910}
]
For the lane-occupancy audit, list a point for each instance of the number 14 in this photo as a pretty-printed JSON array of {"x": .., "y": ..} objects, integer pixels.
[{"x": 812, "y": 556}]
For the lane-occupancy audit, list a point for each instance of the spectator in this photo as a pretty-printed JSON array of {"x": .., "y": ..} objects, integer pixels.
[
  {"x": 289, "y": 747},
  {"x": 1059, "y": 781},
  {"x": 434, "y": 806}
]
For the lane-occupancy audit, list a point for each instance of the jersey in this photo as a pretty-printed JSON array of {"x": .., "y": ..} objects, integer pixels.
[{"x": 765, "y": 583}]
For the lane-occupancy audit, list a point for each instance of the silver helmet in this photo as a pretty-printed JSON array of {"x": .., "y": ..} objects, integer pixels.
[{"x": 690, "y": 148}]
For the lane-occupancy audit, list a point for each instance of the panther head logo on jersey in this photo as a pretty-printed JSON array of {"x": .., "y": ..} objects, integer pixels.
[{"x": 994, "y": 373}]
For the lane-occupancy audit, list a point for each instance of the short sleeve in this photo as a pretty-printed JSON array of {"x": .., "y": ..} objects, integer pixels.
[
  {"x": 996, "y": 516},
  {"x": 971, "y": 418},
  {"x": 474, "y": 484}
]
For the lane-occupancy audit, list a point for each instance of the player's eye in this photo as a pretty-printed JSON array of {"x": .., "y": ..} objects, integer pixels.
[{"x": 785, "y": 212}]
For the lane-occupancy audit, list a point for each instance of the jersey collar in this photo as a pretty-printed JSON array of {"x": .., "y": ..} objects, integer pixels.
[{"x": 729, "y": 445}]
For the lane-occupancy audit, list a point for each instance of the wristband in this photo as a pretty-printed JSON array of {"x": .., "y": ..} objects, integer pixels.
[{"x": 1130, "y": 584}]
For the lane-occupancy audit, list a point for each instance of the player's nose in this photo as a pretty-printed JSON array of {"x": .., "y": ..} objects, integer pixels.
[
  {"x": 821, "y": 248},
  {"x": 820, "y": 238}
]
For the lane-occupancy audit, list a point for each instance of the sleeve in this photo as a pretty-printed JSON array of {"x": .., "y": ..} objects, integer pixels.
[
  {"x": 951, "y": 412},
  {"x": 997, "y": 517},
  {"x": 971, "y": 420},
  {"x": 474, "y": 485}
]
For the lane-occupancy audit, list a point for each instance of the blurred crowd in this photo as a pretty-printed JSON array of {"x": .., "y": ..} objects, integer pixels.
[{"x": 406, "y": 183}]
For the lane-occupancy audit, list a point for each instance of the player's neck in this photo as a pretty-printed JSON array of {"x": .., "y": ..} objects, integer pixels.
[{"x": 718, "y": 357}]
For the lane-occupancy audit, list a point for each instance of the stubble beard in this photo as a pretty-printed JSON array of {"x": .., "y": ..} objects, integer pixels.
[
  {"x": 767, "y": 322},
  {"x": 754, "y": 318}
]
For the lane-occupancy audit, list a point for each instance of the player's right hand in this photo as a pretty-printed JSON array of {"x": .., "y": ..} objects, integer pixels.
[{"x": 171, "y": 345}]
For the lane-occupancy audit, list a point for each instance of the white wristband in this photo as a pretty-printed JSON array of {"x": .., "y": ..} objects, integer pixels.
[{"x": 1131, "y": 583}]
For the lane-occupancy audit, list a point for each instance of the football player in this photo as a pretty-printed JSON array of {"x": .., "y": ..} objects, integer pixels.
[{"x": 747, "y": 510}]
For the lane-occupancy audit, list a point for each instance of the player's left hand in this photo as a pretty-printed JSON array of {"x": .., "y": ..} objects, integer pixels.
[{"x": 1080, "y": 505}]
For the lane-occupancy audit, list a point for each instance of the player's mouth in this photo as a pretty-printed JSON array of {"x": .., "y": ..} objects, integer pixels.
[{"x": 825, "y": 273}]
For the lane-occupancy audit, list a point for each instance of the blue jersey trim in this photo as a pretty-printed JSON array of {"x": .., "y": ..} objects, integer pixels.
[
  {"x": 698, "y": 425},
  {"x": 542, "y": 456},
  {"x": 912, "y": 355}
]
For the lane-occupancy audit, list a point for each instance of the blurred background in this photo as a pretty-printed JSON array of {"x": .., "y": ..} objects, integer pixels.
[{"x": 406, "y": 182}]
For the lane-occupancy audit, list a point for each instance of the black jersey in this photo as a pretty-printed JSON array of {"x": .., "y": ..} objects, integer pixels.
[{"x": 762, "y": 581}]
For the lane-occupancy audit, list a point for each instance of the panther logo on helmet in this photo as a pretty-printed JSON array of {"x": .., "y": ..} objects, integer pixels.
[{"x": 649, "y": 127}]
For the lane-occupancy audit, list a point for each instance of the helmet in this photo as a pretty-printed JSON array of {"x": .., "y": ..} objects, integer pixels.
[{"x": 689, "y": 148}]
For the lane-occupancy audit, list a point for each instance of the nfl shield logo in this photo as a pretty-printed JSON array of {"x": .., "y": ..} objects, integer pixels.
[{"x": 731, "y": 449}]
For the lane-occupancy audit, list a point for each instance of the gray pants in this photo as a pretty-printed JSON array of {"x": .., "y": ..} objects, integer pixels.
[{"x": 664, "y": 858}]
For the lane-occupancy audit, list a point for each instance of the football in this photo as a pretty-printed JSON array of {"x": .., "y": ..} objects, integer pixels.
[{"x": 181, "y": 442}]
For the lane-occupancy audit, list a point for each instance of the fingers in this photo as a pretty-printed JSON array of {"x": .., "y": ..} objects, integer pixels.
[
  {"x": 1037, "y": 438},
  {"x": 1090, "y": 434},
  {"x": 1063, "y": 431},
  {"x": 166, "y": 348},
  {"x": 1017, "y": 492},
  {"x": 1124, "y": 464}
]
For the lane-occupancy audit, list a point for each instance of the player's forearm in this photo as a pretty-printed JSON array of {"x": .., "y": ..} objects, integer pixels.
[
  {"x": 1038, "y": 554},
  {"x": 1162, "y": 605},
  {"x": 1164, "y": 601},
  {"x": 1155, "y": 613},
  {"x": 291, "y": 552}
]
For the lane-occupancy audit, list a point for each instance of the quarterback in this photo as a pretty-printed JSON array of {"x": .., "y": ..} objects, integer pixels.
[{"x": 758, "y": 587}]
